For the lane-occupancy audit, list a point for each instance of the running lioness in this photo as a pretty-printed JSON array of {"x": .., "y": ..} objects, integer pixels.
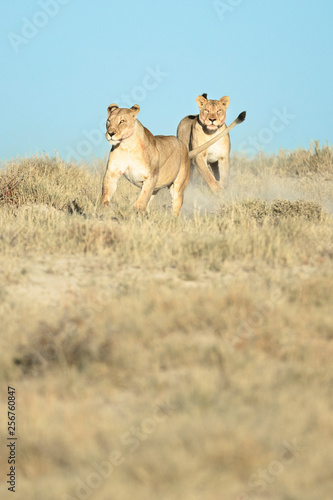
[{"x": 196, "y": 130}]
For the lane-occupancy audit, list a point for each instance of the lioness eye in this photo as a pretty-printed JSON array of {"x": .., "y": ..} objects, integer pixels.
[{"x": 121, "y": 121}]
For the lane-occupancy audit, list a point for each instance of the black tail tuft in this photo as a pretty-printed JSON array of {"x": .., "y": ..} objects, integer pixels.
[
  {"x": 241, "y": 117},
  {"x": 204, "y": 95}
]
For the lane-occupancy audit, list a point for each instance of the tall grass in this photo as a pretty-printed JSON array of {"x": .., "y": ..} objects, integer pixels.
[{"x": 156, "y": 357}]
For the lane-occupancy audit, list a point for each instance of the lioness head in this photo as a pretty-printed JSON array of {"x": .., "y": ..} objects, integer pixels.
[
  {"x": 212, "y": 113},
  {"x": 120, "y": 123}
]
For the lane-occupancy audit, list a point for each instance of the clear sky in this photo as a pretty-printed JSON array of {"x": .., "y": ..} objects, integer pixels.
[{"x": 64, "y": 61}]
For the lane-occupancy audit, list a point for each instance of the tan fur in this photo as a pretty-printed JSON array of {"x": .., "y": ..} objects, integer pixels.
[
  {"x": 196, "y": 130},
  {"x": 150, "y": 162}
]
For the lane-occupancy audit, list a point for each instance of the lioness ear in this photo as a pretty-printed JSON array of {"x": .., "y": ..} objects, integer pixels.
[
  {"x": 201, "y": 101},
  {"x": 225, "y": 101},
  {"x": 111, "y": 108},
  {"x": 135, "y": 109}
]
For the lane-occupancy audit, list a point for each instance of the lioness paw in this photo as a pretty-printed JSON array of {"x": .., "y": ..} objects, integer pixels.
[
  {"x": 105, "y": 201},
  {"x": 216, "y": 188},
  {"x": 138, "y": 207}
]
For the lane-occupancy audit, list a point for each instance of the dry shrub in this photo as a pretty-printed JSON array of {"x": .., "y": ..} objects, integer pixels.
[
  {"x": 305, "y": 162},
  {"x": 300, "y": 208},
  {"x": 48, "y": 181},
  {"x": 298, "y": 163},
  {"x": 259, "y": 210},
  {"x": 72, "y": 341}
]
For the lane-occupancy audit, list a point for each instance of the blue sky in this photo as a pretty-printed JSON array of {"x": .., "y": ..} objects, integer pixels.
[{"x": 64, "y": 61}]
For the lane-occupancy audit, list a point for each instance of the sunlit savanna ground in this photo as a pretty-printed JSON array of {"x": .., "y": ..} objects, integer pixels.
[{"x": 166, "y": 359}]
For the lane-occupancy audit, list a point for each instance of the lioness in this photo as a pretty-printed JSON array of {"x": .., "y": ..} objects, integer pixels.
[
  {"x": 150, "y": 162},
  {"x": 196, "y": 130}
]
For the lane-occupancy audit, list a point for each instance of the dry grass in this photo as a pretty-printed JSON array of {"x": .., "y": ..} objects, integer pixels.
[{"x": 162, "y": 358}]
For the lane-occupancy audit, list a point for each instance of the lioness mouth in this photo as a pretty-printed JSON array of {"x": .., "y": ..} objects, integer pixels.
[{"x": 110, "y": 138}]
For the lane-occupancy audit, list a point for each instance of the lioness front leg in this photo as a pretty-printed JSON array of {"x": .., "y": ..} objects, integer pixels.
[
  {"x": 146, "y": 192},
  {"x": 224, "y": 171},
  {"x": 110, "y": 180},
  {"x": 177, "y": 189},
  {"x": 109, "y": 187},
  {"x": 213, "y": 184}
]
